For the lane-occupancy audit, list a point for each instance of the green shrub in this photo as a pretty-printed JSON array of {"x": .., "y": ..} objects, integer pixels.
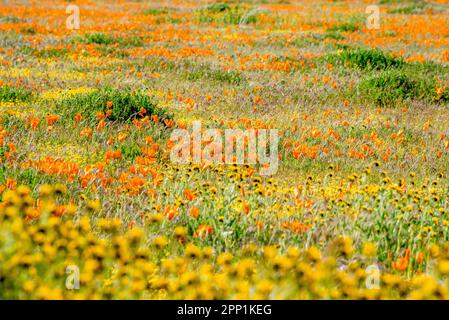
[
  {"x": 28, "y": 30},
  {"x": 392, "y": 86},
  {"x": 13, "y": 94},
  {"x": 225, "y": 14},
  {"x": 368, "y": 59},
  {"x": 218, "y": 7},
  {"x": 52, "y": 53},
  {"x": 351, "y": 24},
  {"x": 345, "y": 27},
  {"x": 130, "y": 151},
  {"x": 332, "y": 34},
  {"x": 156, "y": 11},
  {"x": 98, "y": 38},
  {"x": 126, "y": 104}
]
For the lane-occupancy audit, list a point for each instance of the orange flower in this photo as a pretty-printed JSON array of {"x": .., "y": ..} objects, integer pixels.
[
  {"x": 246, "y": 208},
  {"x": 189, "y": 194},
  {"x": 194, "y": 212},
  {"x": 296, "y": 226},
  {"x": 52, "y": 119},
  {"x": 203, "y": 231},
  {"x": 87, "y": 132},
  {"x": 34, "y": 122},
  {"x": 142, "y": 111},
  {"x": 10, "y": 183},
  {"x": 59, "y": 211},
  {"x": 148, "y": 140},
  {"x": 12, "y": 147},
  {"x": 257, "y": 99},
  {"x": 445, "y": 55},
  {"x": 77, "y": 118},
  {"x": 122, "y": 136},
  {"x": 170, "y": 212},
  {"x": 101, "y": 125},
  {"x": 169, "y": 123},
  {"x": 419, "y": 257},
  {"x": 109, "y": 104},
  {"x": 402, "y": 263}
]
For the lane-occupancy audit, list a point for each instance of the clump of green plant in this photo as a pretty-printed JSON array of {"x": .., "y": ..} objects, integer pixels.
[
  {"x": 125, "y": 104},
  {"x": 332, "y": 34},
  {"x": 226, "y": 14},
  {"x": 28, "y": 30},
  {"x": 130, "y": 151},
  {"x": 156, "y": 11},
  {"x": 353, "y": 24},
  {"x": 98, "y": 38},
  {"x": 204, "y": 71},
  {"x": 52, "y": 53},
  {"x": 14, "y": 94},
  {"x": 218, "y": 7},
  {"x": 416, "y": 8},
  {"x": 11, "y": 19},
  {"x": 392, "y": 86},
  {"x": 373, "y": 59},
  {"x": 252, "y": 16}
]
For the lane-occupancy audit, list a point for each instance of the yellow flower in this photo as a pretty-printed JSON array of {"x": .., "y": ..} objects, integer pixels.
[
  {"x": 94, "y": 205},
  {"x": 443, "y": 266},
  {"x": 160, "y": 242},
  {"x": 224, "y": 259},
  {"x": 369, "y": 249},
  {"x": 45, "y": 190},
  {"x": 180, "y": 233},
  {"x": 314, "y": 254},
  {"x": 192, "y": 251}
]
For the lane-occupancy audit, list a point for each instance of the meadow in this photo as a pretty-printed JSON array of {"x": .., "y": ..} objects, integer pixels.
[{"x": 93, "y": 207}]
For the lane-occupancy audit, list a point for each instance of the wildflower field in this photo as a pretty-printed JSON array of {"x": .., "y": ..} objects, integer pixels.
[{"x": 93, "y": 206}]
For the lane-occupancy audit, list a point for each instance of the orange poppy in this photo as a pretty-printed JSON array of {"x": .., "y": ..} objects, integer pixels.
[
  {"x": 189, "y": 194},
  {"x": 203, "y": 231},
  {"x": 194, "y": 212},
  {"x": 402, "y": 263}
]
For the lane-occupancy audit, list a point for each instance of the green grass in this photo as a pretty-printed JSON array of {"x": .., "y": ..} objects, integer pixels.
[
  {"x": 52, "y": 53},
  {"x": 353, "y": 24},
  {"x": 367, "y": 59},
  {"x": 416, "y": 8},
  {"x": 392, "y": 86},
  {"x": 218, "y": 7},
  {"x": 206, "y": 72},
  {"x": 98, "y": 38},
  {"x": 156, "y": 11},
  {"x": 13, "y": 94},
  {"x": 228, "y": 15},
  {"x": 126, "y": 104},
  {"x": 10, "y": 19}
]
